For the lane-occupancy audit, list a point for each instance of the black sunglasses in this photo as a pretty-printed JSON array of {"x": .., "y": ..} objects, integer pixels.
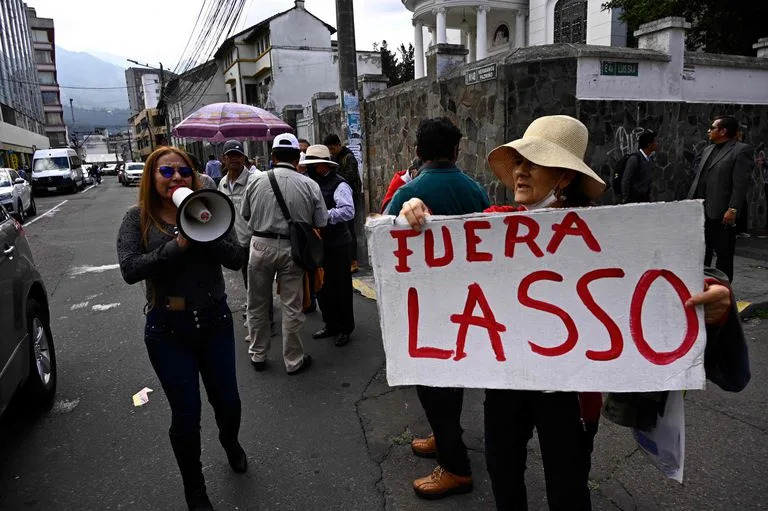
[{"x": 168, "y": 172}]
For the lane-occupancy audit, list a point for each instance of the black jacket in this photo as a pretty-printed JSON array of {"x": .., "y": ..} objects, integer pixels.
[
  {"x": 727, "y": 177},
  {"x": 636, "y": 180}
]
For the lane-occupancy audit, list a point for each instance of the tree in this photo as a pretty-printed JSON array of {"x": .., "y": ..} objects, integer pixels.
[
  {"x": 405, "y": 66},
  {"x": 717, "y": 26},
  {"x": 396, "y": 71},
  {"x": 388, "y": 64}
]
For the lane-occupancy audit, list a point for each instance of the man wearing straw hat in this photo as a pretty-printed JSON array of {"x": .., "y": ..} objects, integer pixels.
[{"x": 335, "y": 297}]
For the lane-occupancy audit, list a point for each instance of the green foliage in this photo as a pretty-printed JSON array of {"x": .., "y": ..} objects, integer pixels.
[
  {"x": 397, "y": 71},
  {"x": 717, "y": 26}
]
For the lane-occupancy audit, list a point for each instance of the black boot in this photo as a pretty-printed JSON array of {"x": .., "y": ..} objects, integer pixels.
[
  {"x": 187, "y": 451},
  {"x": 229, "y": 429}
]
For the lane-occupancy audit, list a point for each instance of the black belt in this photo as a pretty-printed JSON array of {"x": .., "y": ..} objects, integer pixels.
[{"x": 271, "y": 235}]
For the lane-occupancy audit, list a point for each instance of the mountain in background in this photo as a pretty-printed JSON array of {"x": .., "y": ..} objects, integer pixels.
[
  {"x": 87, "y": 121},
  {"x": 84, "y": 70},
  {"x": 110, "y": 58}
]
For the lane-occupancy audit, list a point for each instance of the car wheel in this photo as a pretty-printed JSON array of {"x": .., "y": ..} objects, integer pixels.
[
  {"x": 20, "y": 210},
  {"x": 41, "y": 382},
  {"x": 32, "y": 211}
]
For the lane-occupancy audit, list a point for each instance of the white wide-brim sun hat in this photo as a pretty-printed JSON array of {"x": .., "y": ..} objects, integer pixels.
[{"x": 550, "y": 141}]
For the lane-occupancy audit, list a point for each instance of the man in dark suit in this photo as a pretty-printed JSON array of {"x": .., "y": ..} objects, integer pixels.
[
  {"x": 722, "y": 176},
  {"x": 636, "y": 180}
]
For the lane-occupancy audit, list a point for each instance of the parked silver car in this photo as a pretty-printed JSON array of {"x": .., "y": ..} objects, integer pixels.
[
  {"x": 16, "y": 193},
  {"x": 27, "y": 356},
  {"x": 133, "y": 172}
]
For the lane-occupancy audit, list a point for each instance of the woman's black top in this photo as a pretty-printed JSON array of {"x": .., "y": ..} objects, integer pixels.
[{"x": 193, "y": 274}]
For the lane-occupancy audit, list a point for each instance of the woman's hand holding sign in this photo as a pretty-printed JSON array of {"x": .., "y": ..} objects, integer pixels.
[{"x": 716, "y": 299}]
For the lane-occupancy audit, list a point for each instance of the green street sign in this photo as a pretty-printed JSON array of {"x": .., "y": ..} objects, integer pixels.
[{"x": 610, "y": 68}]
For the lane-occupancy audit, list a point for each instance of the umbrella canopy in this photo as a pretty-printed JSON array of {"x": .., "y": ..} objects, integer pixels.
[{"x": 219, "y": 122}]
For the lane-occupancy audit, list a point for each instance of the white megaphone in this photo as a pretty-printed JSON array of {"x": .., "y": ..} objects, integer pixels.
[{"x": 203, "y": 216}]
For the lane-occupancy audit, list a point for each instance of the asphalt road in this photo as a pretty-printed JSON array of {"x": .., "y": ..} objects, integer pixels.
[{"x": 335, "y": 437}]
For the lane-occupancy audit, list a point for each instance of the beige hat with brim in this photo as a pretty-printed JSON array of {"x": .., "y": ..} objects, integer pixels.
[
  {"x": 550, "y": 141},
  {"x": 318, "y": 153}
]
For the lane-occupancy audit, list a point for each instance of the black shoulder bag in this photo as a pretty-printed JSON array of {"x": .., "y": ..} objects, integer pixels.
[{"x": 306, "y": 244}]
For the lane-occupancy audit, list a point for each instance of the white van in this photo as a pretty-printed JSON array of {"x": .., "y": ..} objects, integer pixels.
[{"x": 56, "y": 170}]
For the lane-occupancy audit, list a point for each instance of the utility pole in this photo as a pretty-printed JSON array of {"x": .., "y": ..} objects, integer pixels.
[
  {"x": 72, "y": 109},
  {"x": 350, "y": 105}
]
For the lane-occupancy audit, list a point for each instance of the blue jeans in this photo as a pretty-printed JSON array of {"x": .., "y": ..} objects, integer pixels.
[{"x": 186, "y": 345}]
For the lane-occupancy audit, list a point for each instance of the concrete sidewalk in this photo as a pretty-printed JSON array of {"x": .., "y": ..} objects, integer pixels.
[
  {"x": 750, "y": 281},
  {"x": 726, "y": 433}
]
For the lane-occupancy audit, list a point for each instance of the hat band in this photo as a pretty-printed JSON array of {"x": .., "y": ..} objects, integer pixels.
[{"x": 316, "y": 158}]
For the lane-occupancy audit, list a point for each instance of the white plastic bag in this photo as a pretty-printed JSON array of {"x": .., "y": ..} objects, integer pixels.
[{"x": 665, "y": 443}]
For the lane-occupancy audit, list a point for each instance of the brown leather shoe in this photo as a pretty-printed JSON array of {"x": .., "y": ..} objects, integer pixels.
[
  {"x": 441, "y": 483},
  {"x": 424, "y": 447}
]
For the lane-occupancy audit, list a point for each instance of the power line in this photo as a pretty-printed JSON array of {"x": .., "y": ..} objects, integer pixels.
[{"x": 64, "y": 86}]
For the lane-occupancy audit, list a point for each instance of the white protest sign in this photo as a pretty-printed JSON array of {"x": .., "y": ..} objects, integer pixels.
[{"x": 588, "y": 299}]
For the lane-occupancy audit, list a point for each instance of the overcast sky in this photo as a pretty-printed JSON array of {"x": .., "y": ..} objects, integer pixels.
[{"x": 155, "y": 31}]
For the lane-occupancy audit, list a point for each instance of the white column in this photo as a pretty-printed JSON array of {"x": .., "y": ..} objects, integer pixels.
[
  {"x": 481, "y": 49},
  {"x": 442, "y": 35},
  {"x": 471, "y": 46},
  {"x": 463, "y": 39},
  {"x": 418, "y": 50},
  {"x": 520, "y": 29},
  {"x": 431, "y": 31}
]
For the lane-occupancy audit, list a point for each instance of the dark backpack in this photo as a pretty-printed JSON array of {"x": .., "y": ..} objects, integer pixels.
[{"x": 618, "y": 173}]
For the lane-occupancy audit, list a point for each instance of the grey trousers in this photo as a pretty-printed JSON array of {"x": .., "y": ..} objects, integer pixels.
[{"x": 270, "y": 256}]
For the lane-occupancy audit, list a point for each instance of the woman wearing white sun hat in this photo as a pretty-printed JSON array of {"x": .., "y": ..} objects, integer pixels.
[{"x": 545, "y": 168}]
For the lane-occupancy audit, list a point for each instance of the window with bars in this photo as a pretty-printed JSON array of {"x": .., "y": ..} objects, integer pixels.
[{"x": 571, "y": 21}]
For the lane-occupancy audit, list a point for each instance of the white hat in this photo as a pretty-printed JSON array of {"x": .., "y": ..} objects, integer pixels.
[
  {"x": 551, "y": 141},
  {"x": 285, "y": 140},
  {"x": 318, "y": 154}
]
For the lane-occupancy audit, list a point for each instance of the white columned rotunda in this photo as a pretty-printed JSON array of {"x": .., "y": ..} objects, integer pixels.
[
  {"x": 486, "y": 27},
  {"x": 489, "y": 27}
]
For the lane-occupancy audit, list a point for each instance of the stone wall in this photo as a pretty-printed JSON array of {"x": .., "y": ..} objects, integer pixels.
[
  {"x": 614, "y": 128},
  {"x": 530, "y": 83},
  {"x": 392, "y": 118},
  {"x": 327, "y": 122}
]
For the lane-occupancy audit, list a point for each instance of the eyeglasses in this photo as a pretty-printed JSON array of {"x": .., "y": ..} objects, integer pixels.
[{"x": 168, "y": 171}]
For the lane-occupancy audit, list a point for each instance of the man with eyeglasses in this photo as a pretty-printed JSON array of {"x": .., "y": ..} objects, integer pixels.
[{"x": 722, "y": 176}]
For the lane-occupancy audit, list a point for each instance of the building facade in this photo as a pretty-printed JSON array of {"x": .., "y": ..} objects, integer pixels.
[
  {"x": 139, "y": 80},
  {"x": 149, "y": 130},
  {"x": 278, "y": 63},
  {"x": 44, "y": 45},
  {"x": 22, "y": 119},
  {"x": 491, "y": 27}
]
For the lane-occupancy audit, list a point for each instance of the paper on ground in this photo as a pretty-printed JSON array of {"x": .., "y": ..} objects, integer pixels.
[{"x": 142, "y": 397}]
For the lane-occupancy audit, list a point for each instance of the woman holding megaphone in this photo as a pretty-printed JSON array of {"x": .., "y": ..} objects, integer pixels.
[{"x": 189, "y": 332}]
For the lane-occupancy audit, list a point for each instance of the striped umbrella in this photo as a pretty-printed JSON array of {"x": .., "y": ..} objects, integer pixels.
[{"x": 219, "y": 122}]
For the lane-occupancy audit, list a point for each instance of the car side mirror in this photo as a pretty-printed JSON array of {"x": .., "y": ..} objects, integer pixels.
[
  {"x": 16, "y": 216},
  {"x": 19, "y": 181}
]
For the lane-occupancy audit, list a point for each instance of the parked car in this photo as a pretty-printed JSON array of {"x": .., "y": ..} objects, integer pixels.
[
  {"x": 133, "y": 172},
  {"x": 16, "y": 193},
  {"x": 27, "y": 355},
  {"x": 56, "y": 170},
  {"x": 110, "y": 169}
]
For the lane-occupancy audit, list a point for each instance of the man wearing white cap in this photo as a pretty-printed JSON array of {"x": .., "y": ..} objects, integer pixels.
[
  {"x": 336, "y": 295},
  {"x": 271, "y": 252}
]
